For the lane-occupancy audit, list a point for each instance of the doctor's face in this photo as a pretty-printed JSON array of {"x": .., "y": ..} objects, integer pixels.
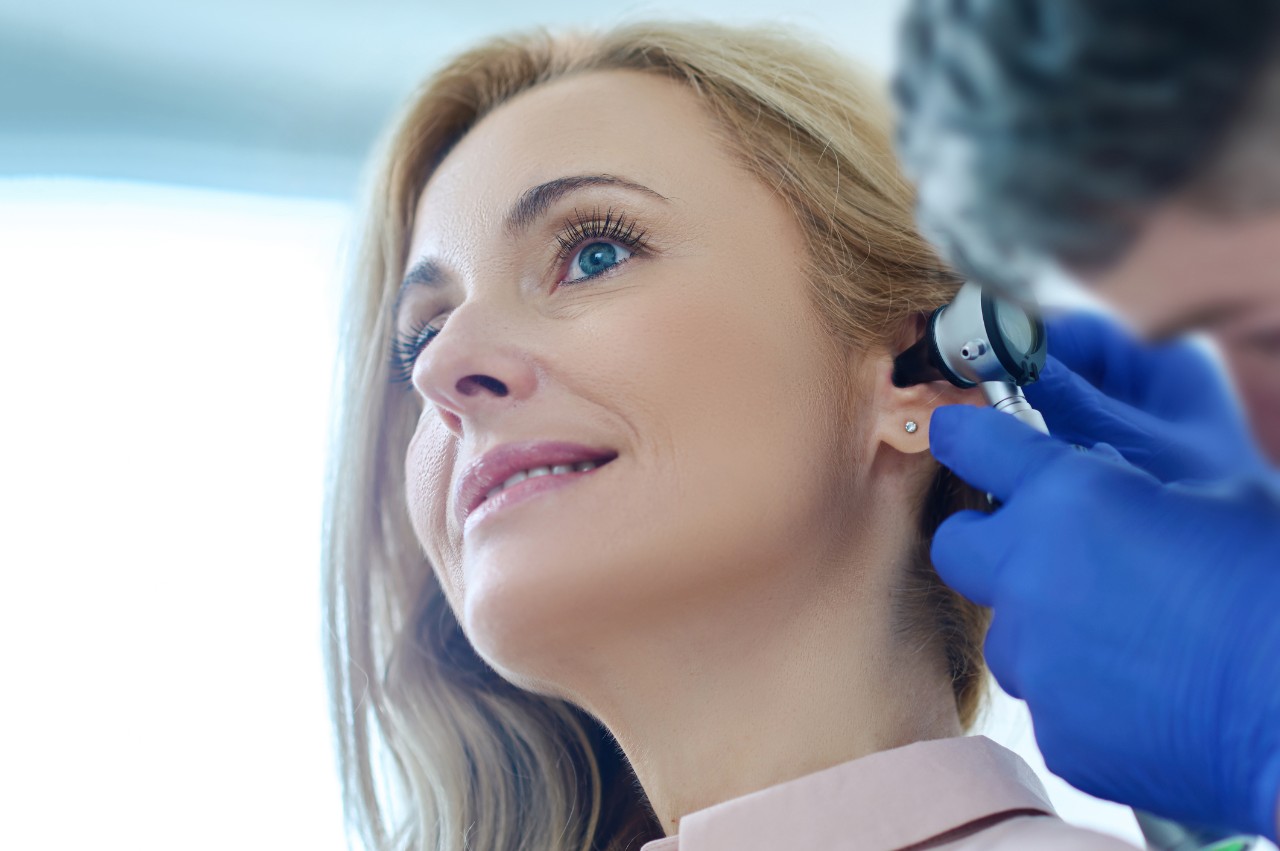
[
  {"x": 1192, "y": 270},
  {"x": 629, "y": 406}
]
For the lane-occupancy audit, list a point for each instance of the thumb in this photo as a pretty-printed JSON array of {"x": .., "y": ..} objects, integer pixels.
[
  {"x": 961, "y": 553},
  {"x": 990, "y": 450}
]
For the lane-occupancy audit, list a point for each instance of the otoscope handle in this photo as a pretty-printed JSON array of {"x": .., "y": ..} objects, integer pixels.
[{"x": 1008, "y": 397}]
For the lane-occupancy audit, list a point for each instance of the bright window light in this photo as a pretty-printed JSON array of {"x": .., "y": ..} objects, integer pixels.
[{"x": 167, "y": 356}]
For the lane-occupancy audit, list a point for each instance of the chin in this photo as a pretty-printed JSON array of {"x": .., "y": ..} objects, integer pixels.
[{"x": 530, "y": 613}]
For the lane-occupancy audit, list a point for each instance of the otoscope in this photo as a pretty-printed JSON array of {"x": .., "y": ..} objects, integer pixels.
[{"x": 985, "y": 340}]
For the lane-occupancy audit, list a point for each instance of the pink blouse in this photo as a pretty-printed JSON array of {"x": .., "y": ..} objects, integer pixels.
[{"x": 962, "y": 794}]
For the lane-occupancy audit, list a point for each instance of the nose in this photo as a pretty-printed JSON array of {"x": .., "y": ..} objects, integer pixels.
[{"x": 473, "y": 369}]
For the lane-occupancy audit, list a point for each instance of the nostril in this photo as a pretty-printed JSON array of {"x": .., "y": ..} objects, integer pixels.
[{"x": 473, "y": 384}]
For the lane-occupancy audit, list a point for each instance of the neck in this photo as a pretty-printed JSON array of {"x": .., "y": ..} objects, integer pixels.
[{"x": 770, "y": 685}]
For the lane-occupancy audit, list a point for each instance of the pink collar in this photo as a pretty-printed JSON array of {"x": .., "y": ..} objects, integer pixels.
[{"x": 887, "y": 800}]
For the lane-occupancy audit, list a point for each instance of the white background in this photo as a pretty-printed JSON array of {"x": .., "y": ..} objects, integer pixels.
[{"x": 166, "y": 358}]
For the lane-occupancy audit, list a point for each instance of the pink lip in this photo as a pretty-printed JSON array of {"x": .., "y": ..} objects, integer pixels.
[{"x": 501, "y": 463}]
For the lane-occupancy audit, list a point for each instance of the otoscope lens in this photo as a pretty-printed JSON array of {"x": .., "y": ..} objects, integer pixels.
[{"x": 1016, "y": 327}]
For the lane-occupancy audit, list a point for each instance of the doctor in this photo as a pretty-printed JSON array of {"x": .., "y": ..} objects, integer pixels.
[{"x": 1135, "y": 586}]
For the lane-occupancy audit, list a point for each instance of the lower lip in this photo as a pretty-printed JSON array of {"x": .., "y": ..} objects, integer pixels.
[{"x": 523, "y": 492}]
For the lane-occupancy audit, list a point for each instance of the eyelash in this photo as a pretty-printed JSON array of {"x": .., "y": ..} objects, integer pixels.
[
  {"x": 582, "y": 227},
  {"x": 406, "y": 348}
]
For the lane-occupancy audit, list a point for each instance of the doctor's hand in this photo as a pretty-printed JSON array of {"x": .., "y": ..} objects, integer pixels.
[
  {"x": 1140, "y": 620},
  {"x": 1166, "y": 408}
]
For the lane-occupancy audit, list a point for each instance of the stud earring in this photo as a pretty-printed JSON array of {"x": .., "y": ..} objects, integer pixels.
[{"x": 911, "y": 426}]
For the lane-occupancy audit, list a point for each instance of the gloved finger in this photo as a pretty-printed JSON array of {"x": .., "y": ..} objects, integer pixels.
[
  {"x": 962, "y": 554},
  {"x": 1188, "y": 383},
  {"x": 1127, "y": 369},
  {"x": 1096, "y": 348},
  {"x": 1079, "y": 412},
  {"x": 1108, "y": 452},
  {"x": 990, "y": 450},
  {"x": 1000, "y": 650}
]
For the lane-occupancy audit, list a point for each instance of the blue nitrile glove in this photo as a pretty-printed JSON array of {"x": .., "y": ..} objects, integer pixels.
[
  {"x": 1166, "y": 408},
  {"x": 1139, "y": 620}
]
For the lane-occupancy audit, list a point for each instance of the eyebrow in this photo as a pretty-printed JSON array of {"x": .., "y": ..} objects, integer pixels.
[
  {"x": 1205, "y": 320},
  {"x": 534, "y": 202},
  {"x": 531, "y": 204},
  {"x": 425, "y": 273}
]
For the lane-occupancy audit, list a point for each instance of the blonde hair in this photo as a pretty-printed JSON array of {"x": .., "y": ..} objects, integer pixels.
[{"x": 468, "y": 760}]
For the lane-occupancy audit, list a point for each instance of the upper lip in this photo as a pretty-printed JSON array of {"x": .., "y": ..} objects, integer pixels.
[{"x": 502, "y": 462}]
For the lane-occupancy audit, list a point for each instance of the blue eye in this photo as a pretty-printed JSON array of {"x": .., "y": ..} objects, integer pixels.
[{"x": 595, "y": 258}]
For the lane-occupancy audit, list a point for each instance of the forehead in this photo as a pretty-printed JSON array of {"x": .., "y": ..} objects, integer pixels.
[{"x": 642, "y": 127}]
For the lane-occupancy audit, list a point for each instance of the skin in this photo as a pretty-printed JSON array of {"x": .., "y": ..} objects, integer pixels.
[
  {"x": 1192, "y": 270},
  {"x": 718, "y": 595}
]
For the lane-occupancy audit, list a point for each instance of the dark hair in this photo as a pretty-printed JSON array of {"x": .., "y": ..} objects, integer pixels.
[{"x": 1054, "y": 126}]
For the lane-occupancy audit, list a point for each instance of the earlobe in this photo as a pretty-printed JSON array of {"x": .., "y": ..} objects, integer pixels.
[{"x": 903, "y": 413}]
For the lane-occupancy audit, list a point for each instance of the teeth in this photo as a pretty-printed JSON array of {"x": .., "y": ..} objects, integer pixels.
[{"x": 557, "y": 470}]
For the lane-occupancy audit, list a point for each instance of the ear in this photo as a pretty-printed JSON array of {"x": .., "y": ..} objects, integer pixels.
[{"x": 895, "y": 408}]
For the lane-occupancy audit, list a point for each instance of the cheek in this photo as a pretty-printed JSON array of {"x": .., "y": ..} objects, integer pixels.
[
  {"x": 726, "y": 374},
  {"x": 429, "y": 461},
  {"x": 1257, "y": 375},
  {"x": 745, "y": 362}
]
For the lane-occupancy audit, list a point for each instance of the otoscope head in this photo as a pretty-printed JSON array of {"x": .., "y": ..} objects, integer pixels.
[
  {"x": 918, "y": 364},
  {"x": 978, "y": 337}
]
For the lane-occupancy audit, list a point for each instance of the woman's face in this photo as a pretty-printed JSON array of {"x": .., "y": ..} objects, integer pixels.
[{"x": 623, "y": 317}]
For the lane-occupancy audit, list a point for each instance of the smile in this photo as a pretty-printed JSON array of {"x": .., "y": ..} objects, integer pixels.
[
  {"x": 514, "y": 472},
  {"x": 558, "y": 470}
]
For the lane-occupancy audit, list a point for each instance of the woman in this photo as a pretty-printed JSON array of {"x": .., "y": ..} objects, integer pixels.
[{"x": 628, "y": 530}]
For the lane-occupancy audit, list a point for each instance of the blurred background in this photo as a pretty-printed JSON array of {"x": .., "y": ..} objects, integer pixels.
[{"x": 176, "y": 191}]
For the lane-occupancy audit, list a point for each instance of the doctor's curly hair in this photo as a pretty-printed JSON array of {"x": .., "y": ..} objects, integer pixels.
[{"x": 1055, "y": 126}]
